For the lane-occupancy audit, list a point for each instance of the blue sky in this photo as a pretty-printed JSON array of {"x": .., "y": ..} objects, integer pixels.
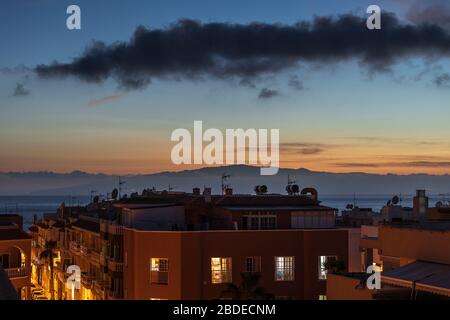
[{"x": 64, "y": 124}]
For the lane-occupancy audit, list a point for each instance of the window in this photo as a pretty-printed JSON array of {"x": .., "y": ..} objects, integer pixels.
[
  {"x": 322, "y": 297},
  {"x": 159, "y": 271},
  {"x": 253, "y": 264},
  {"x": 284, "y": 268},
  {"x": 259, "y": 221},
  {"x": 322, "y": 266},
  {"x": 221, "y": 270}
]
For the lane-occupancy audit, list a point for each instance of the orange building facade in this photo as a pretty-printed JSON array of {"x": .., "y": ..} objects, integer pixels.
[
  {"x": 198, "y": 265},
  {"x": 15, "y": 253},
  {"x": 192, "y": 246}
]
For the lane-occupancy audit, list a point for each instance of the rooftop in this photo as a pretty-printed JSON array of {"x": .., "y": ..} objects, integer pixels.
[{"x": 12, "y": 232}]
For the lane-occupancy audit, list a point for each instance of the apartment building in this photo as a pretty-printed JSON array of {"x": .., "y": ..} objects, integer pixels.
[
  {"x": 15, "y": 253},
  {"x": 413, "y": 256},
  {"x": 200, "y": 264},
  {"x": 191, "y": 246}
]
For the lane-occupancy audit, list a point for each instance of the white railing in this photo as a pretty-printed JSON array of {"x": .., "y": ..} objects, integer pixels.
[{"x": 16, "y": 272}]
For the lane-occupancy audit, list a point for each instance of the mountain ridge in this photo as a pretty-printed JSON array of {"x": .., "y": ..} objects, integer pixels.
[{"x": 243, "y": 179}]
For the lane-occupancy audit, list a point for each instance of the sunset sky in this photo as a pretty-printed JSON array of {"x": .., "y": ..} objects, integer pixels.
[{"x": 339, "y": 117}]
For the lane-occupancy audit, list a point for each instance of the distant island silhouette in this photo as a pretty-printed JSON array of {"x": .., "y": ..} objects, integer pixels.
[{"x": 243, "y": 180}]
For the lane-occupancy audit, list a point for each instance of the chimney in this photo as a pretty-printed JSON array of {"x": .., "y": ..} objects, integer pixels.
[
  {"x": 207, "y": 194},
  {"x": 196, "y": 191},
  {"x": 420, "y": 205},
  {"x": 228, "y": 191},
  {"x": 311, "y": 192}
]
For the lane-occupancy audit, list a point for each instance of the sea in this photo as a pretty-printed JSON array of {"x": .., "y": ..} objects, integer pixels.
[{"x": 28, "y": 206}]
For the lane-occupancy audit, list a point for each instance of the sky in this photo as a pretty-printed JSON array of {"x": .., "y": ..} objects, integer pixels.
[{"x": 338, "y": 116}]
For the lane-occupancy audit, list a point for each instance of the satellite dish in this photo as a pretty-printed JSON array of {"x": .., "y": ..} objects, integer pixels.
[
  {"x": 395, "y": 200},
  {"x": 261, "y": 189},
  {"x": 349, "y": 207},
  {"x": 292, "y": 189},
  {"x": 114, "y": 194},
  {"x": 439, "y": 204}
]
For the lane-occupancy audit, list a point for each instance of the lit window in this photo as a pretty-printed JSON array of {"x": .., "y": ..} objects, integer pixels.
[
  {"x": 322, "y": 297},
  {"x": 253, "y": 264},
  {"x": 284, "y": 268},
  {"x": 221, "y": 270},
  {"x": 323, "y": 265},
  {"x": 159, "y": 271}
]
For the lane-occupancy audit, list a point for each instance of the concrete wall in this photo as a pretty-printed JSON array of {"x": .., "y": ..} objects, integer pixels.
[
  {"x": 341, "y": 287},
  {"x": 415, "y": 244}
]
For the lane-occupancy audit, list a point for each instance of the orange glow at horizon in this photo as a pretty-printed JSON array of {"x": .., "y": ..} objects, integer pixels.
[{"x": 140, "y": 158}]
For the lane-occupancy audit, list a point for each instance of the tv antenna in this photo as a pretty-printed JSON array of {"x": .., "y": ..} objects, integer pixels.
[
  {"x": 93, "y": 193},
  {"x": 121, "y": 182},
  {"x": 224, "y": 178},
  {"x": 291, "y": 181}
]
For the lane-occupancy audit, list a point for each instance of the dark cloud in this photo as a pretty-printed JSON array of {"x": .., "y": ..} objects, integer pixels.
[
  {"x": 409, "y": 164},
  {"x": 20, "y": 90},
  {"x": 105, "y": 100},
  {"x": 426, "y": 164},
  {"x": 311, "y": 151},
  {"x": 357, "y": 165},
  {"x": 304, "y": 148},
  {"x": 193, "y": 50},
  {"x": 437, "y": 13},
  {"x": 442, "y": 80},
  {"x": 296, "y": 83},
  {"x": 267, "y": 93}
]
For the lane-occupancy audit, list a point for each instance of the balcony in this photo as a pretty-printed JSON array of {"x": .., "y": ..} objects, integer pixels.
[
  {"x": 115, "y": 266},
  {"x": 74, "y": 248},
  {"x": 103, "y": 260},
  {"x": 100, "y": 288},
  {"x": 84, "y": 251},
  {"x": 115, "y": 229},
  {"x": 87, "y": 280},
  {"x": 94, "y": 256},
  {"x": 111, "y": 228},
  {"x": 16, "y": 272},
  {"x": 114, "y": 295}
]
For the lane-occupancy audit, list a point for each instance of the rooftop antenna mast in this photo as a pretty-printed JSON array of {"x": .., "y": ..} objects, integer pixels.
[
  {"x": 93, "y": 192},
  {"x": 121, "y": 182},
  {"x": 224, "y": 186},
  {"x": 290, "y": 181}
]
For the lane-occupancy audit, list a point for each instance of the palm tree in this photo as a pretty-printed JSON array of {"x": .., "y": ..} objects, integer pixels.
[
  {"x": 247, "y": 290},
  {"x": 49, "y": 254},
  {"x": 334, "y": 266}
]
